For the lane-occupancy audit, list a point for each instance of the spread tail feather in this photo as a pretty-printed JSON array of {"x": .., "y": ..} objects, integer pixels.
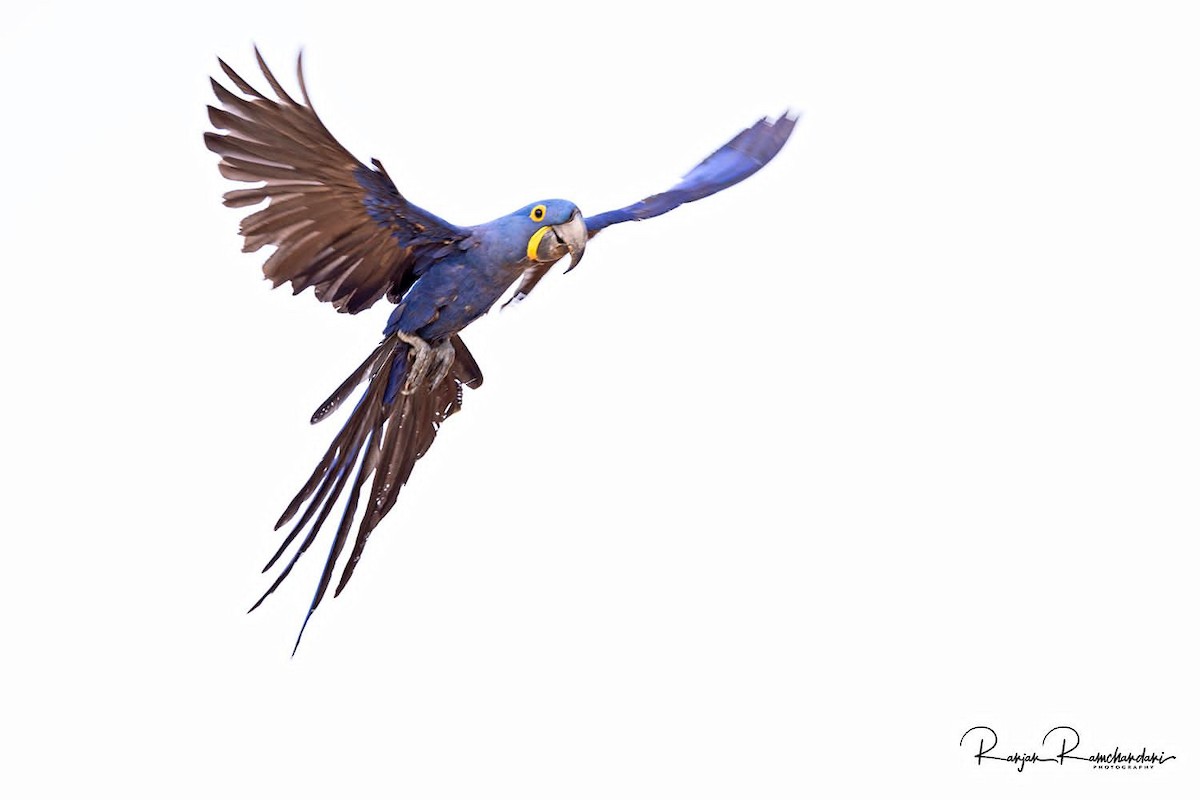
[{"x": 384, "y": 436}]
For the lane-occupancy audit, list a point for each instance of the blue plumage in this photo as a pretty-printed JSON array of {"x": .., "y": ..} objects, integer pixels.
[
  {"x": 743, "y": 156},
  {"x": 460, "y": 287},
  {"x": 344, "y": 229}
]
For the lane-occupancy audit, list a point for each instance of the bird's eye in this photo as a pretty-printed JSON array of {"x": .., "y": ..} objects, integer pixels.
[{"x": 538, "y": 213}]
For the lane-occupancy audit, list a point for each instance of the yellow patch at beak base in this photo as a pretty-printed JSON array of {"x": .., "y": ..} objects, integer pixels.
[{"x": 534, "y": 241}]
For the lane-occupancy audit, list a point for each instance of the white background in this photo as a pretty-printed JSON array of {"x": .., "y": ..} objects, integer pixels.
[{"x": 775, "y": 496}]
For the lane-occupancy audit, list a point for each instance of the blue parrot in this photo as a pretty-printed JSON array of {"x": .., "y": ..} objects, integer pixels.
[{"x": 343, "y": 228}]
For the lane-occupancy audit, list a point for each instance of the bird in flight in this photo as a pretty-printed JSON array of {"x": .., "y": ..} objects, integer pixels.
[{"x": 343, "y": 228}]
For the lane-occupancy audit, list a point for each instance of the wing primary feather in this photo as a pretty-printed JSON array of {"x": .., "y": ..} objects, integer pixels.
[
  {"x": 371, "y": 238},
  {"x": 266, "y": 71},
  {"x": 239, "y": 82},
  {"x": 252, "y": 171},
  {"x": 241, "y": 198},
  {"x": 304, "y": 93},
  {"x": 246, "y": 150},
  {"x": 300, "y": 79}
]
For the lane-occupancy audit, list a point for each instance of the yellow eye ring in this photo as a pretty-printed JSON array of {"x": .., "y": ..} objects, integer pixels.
[{"x": 538, "y": 213}]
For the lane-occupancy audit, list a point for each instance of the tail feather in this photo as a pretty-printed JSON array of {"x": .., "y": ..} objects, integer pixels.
[
  {"x": 365, "y": 370},
  {"x": 385, "y": 438},
  {"x": 333, "y": 475},
  {"x": 348, "y": 441},
  {"x": 399, "y": 445}
]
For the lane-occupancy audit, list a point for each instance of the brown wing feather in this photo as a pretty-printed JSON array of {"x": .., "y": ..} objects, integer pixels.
[{"x": 338, "y": 225}]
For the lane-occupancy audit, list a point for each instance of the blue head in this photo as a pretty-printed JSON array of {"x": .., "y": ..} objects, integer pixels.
[{"x": 549, "y": 230}]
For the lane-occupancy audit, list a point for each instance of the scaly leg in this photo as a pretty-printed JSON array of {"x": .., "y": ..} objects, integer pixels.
[
  {"x": 443, "y": 360},
  {"x": 427, "y": 359}
]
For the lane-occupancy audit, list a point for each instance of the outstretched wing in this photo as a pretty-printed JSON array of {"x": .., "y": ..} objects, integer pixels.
[
  {"x": 384, "y": 436},
  {"x": 337, "y": 225},
  {"x": 744, "y": 155}
]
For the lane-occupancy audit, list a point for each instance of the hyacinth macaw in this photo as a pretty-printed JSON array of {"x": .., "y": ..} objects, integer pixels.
[{"x": 344, "y": 229}]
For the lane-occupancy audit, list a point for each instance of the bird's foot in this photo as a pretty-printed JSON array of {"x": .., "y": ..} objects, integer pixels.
[
  {"x": 443, "y": 360},
  {"x": 429, "y": 361}
]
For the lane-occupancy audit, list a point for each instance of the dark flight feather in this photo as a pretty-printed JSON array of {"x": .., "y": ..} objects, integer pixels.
[{"x": 338, "y": 225}]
